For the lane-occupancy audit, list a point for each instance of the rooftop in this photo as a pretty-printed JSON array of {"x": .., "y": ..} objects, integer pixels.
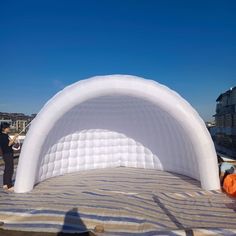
[
  {"x": 125, "y": 201},
  {"x": 225, "y": 93}
]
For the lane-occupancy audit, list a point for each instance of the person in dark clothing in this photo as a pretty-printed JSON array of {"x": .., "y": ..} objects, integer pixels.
[{"x": 6, "y": 144}]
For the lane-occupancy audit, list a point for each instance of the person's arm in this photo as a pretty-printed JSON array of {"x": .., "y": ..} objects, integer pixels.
[{"x": 13, "y": 140}]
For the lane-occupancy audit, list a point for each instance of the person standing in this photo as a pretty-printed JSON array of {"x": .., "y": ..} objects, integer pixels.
[{"x": 6, "y": 144}]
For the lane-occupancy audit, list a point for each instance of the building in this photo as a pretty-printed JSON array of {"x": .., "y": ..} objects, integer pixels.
[
  {"x": 224, "y": 132},
  {"x": 5, "y": 120},
  {"x": 21, "y": 125}
]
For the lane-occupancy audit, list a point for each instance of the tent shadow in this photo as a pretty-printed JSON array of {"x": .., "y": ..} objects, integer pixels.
[
  {"x": 73, "y": 225},
  {"x": 172, "y": 218},
  {"x": 231, "y": 206},
  {"x": 187, "y": 179}
]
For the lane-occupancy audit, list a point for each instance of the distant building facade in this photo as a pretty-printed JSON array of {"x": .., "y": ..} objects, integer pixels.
[
  {"x": 18, "y": 121},
  {"x": 224, "y": 131},
  {"x": 21, "y": 124}
]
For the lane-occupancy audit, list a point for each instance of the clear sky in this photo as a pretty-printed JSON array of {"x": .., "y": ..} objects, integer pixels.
[{"x": 190, "y": 46}]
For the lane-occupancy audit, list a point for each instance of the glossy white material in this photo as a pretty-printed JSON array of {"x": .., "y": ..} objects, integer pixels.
[{"x": 112, "y": 121}]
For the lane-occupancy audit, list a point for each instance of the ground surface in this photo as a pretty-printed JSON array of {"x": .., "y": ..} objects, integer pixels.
[{"x": 124, "y": 201}]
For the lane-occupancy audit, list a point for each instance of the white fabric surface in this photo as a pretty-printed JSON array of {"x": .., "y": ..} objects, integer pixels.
[{"x": 117, "y": 120}]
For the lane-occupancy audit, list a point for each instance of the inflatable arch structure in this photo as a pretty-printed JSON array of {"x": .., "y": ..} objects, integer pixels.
[{"x": 112, "y": 121}]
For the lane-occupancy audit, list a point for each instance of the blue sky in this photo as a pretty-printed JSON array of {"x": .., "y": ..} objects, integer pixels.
[{"x": 190, "y": 46}]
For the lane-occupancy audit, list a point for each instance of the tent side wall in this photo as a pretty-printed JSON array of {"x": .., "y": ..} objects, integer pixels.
[
  {"x": 113, "y": 131},
  {"x": 117, "y": 85}
]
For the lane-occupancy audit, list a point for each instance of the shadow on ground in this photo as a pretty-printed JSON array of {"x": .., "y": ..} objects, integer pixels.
[{"x": 73, "y": 225}]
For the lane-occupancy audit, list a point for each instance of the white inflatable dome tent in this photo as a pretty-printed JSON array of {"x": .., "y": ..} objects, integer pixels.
[{"x": 112, "y": 121}]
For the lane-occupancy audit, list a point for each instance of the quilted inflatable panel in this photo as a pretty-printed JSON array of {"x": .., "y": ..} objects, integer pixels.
[
  {"x": 112, "y": 131},
  {"x": 91, "y": 149}
]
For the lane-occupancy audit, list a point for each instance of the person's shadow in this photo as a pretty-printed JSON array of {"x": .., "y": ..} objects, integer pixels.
[{"x": 73, "y": 225}]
